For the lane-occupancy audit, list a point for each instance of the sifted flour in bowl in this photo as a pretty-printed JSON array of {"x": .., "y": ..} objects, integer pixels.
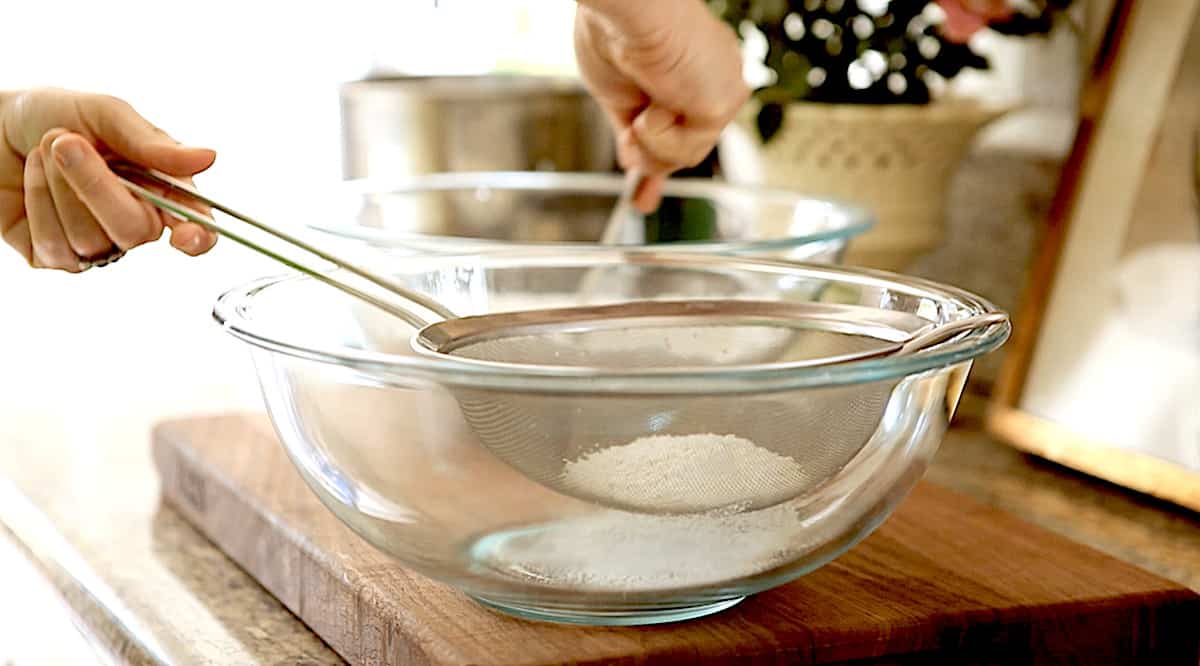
[{"x": 621, "y": 551}]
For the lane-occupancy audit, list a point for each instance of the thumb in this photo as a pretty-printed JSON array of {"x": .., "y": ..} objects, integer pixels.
[
  {"x": 122, "y": 130},
  {"x": 670, "y": 140},
  {"x": 650, "y": 194}
]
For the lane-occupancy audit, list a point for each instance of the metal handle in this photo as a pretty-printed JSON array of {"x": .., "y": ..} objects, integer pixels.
[
  {"x": 940, "y": 333},
  {"x": 125, "y": 172},
  {"x": 619, "y": 222},
  {"x": 616, "y": 232}
]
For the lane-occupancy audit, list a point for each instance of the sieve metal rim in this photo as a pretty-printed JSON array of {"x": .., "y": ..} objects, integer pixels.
[
  {"x": 450, "y": 335},
  {"x": 818, "y": 317},
  {"x": 233, "y": 311}
]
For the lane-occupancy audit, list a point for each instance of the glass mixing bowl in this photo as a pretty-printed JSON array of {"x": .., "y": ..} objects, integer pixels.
[
  {"x": 379, "y": 432},
  {"x": 485, "y": 211}
]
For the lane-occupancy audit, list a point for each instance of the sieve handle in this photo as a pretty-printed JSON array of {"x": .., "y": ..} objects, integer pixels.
[
  {"x": 301, "y": 261},
  {"x": 940, "y": 333}
]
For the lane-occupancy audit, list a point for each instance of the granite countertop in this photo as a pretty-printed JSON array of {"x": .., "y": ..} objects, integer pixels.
[
  {"x": 99, "y": 360},
  {"x": 104, "y": 356}
]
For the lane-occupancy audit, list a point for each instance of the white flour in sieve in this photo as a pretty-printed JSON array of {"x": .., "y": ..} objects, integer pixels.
[
  {"x": 623, "y": 551},
  {"x": 680, "y": 473}
]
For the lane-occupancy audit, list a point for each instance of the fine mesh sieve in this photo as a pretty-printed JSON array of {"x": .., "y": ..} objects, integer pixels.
[
  {"x": 819, "y": 430},
  {"x": 816, "y": 432}
]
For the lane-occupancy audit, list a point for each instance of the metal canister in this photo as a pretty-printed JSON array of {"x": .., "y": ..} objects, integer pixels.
[
  {"x": 407, "y": 125},
  {"x": 412, "y": 125}
]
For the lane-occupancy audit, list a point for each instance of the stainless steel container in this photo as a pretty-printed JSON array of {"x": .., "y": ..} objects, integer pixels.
[{"x": 403, "y": 126}]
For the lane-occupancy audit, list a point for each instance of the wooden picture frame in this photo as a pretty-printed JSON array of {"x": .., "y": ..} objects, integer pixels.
[{"x": 1126, "y": 191}]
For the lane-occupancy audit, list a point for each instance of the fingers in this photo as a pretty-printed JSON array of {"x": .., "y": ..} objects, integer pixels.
[
  {"x": 130, "y": 135},
  {"x": 620, "y": 97},
  {"x": 17, "y": 237},
  {"x": 649, "y": 195},
  {"x": 192, "y": 239},
  {"x": 669, "y": 77},
  {"x": 82, "y": 231},
  {"x": 673, "y": 141},
  {"x": 49, "y": 244},
  {"x": 14, "y": 227},
  {"x": 125, "y": 219},
  {"x": 59, "y": 201},
  {"x": 188, "y": 237},
  {"x": 654, "y": 172},
  {"x": 120, "y": 128},
  {"x": 76, "y": 208}
]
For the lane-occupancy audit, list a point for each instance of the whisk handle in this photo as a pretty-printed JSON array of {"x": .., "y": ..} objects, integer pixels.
[{"x": 619, "y": 227}]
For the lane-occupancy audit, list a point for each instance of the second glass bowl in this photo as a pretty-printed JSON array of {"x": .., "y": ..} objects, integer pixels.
[{"x": 453, "y": 213}]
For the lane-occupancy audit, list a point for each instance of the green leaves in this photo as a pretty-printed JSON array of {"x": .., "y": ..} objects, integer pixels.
[{"x": 860, "y": 51}]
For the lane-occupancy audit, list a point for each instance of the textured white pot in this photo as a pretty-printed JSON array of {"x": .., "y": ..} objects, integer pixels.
[{"x": 897, "y": 160}]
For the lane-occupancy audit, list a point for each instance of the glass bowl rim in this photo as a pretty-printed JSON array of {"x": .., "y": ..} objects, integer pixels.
[
  {"x": 855, "y": 219},
  {"x": 233, "y": 312}
]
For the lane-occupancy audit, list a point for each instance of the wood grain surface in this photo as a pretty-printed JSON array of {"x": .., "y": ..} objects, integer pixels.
[{"x": 945, "y": 580}]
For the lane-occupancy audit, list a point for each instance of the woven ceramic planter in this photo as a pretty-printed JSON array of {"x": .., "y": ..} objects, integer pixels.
[{"x": 897, "y": 160}]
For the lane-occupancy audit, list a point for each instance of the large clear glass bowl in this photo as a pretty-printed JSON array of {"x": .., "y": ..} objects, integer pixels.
[
  {"x": 487, "y": 211},
  {"x": 379, "y": 433}
]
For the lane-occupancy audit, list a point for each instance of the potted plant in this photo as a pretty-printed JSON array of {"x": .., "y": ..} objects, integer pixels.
[{"x": 854, "y": 108}]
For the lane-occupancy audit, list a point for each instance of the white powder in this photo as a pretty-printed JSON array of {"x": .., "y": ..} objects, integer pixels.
[
  {"x": 681, "y": 473},
  {"x": 620, "y": 551}
]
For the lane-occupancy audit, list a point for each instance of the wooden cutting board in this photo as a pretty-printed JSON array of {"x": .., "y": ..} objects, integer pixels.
[{"x": 944, "y": 580}]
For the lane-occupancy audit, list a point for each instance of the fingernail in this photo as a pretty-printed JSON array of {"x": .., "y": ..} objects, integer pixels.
[
  {"x": 67, "y": 152},
  {"x": 195, "y": 149},
  {"x": 50, "y": 137},
  {"x": 209, "y": 155}
]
